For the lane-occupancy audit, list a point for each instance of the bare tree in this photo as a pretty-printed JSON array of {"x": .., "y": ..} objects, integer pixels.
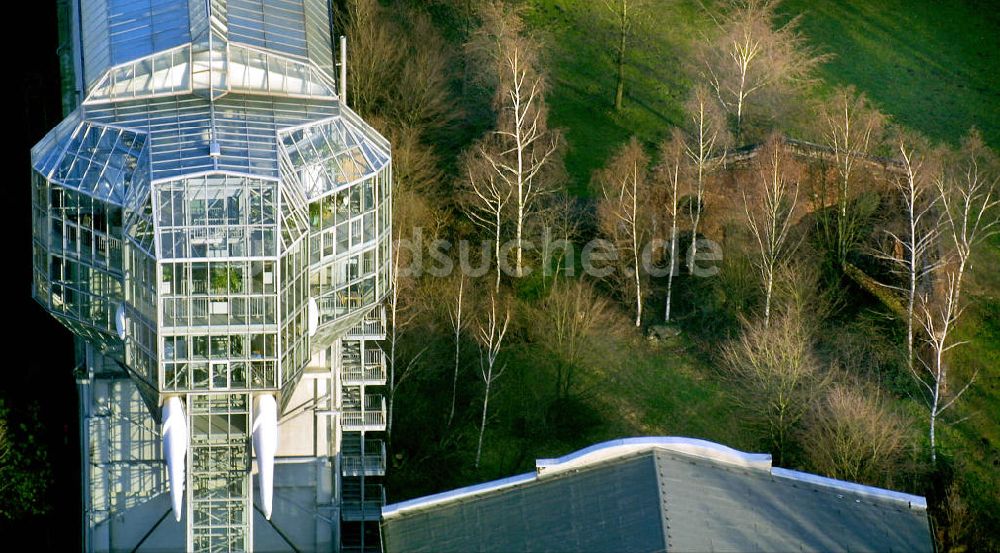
[
  {"x": 490, "y": 337},
  {"x": 852, "y": 435},
  {"x": 776, "y": 375},
  {"x": 4, "y": 452},
  {"x": 967, "y": 191},
  {"x": 909, "y": 251},
  {"x": 625, "y": 13},
  {"x": 560, "y": 225},
  {"x": 399, "y": 45},
  {"x": 954, "y": 522},
  {"x": 938, "y": 317},
  {"x": 769, "y": 212},
  {"x": 375, "y": 53},
  {"x": 571, "y": 318},
  {"x": 624, "y": 217},
  {"x": 485, "y": 197},
  {"x": 457, "y": 325},
  {"x": 526, "y": 148},
  {"x": 851, "y": 128},
  {"x": 751, "y": 56},
  {"x": 400, "y": 317},
  {"x": 707, "y": 136},
  {"x": 413, "y": 57},
  {"x": 672, "y": 155}
]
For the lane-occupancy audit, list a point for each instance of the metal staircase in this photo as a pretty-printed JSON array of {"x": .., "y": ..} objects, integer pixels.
[{"x": 362, "y": 374}]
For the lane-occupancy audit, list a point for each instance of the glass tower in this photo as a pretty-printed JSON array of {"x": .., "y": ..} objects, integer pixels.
[{"x": 212, "y": 223}]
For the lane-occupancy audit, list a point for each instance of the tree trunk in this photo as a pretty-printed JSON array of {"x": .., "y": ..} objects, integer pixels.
[
  {"x": 767, "y": 298},
  {"x": 496, "y": 251},
  {"x": 638, "y": 294},
  {"x": 670, "y": 274},
  {"x": 620, "y": 86},
  {"x": 482, "y": 424}
]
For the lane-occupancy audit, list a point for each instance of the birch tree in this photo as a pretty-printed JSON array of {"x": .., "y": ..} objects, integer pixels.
[
  {"x": 457, "y": 325},
  {"x": 625, "y": 14},
  {"x": 490, "y": 336},
  {"x": 938, "y": 317},
  {"x": 769, "y": 212},
  {"x": 750, "y": 56},
  {"x": 400, "y": 317},
  {"x": 672, "y": 154},
  {"x": 909, "y": 251},
  {"x": 624, "y": 217},
  {"x": 707, "y": 139},
  {"x": 966, "y": 186},
  {"x": 484, "y": 197},
  {"x": 851, "y": 128},
  {"x": 525, "y": 157}
]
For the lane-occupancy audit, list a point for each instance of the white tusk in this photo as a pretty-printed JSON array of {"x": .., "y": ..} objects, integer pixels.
[
  {"x": 175, "y": 440},
  {"x": 265, "y": 445}
]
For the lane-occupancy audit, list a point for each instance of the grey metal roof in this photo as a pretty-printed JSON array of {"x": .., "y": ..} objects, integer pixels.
[{"x": 661, "y": 499}]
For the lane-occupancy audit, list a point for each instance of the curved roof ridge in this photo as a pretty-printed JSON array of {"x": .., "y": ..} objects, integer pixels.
[{"x": 625, "y": 446}]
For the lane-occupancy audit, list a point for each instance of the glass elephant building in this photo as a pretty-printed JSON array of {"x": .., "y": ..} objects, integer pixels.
[{"x": 212, "y": 222}]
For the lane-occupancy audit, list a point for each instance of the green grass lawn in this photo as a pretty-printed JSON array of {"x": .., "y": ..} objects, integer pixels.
[
  {"x": 576, "y": 35},
  {"x": 973, "y": 441},
  {"x": 931, "y": 64}
]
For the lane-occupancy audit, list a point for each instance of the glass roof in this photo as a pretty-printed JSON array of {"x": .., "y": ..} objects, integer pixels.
[
  {"x": 333, "y": 153},
  {"x": 244, "y": 69},
  {"x": 97, "y": 160},
  {"x": 162, "y": 73}
]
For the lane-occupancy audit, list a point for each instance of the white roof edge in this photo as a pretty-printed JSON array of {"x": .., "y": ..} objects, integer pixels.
[
  {"x": 396, "y": 509},
  {"x": 908, "y": 500},
  {"x": 594, "y": 454},
  {"x": 625, "y": 446}
]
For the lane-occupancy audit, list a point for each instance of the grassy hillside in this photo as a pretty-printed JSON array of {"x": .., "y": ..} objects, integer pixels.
[
  {"x": 930, "y": 64},
  {"x": 576, "y": 34}
]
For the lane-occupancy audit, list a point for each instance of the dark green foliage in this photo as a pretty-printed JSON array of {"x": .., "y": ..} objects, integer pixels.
[{"x": 24, "y": 467}]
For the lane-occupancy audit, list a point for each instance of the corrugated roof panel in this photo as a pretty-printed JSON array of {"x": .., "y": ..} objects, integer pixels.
[
  {"x": 96, "y": 39},
  {"x": 140, "y": 27},
  {"x": 278, "y": 25},
  {"x": 741, "y": 509},
  {"x": 612, "y": 507},
  {"x": 318, "y": 37},
  {"x": 697, "y": 504}
]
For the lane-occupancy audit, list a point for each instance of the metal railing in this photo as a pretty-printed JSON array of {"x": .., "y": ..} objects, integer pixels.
[
  {"x": 370, "y": 417},
  {"x": 372, "y": 326},
  {"x": 372, "y": 463},
  {"x": 373, "y": 356},
  {"x": 363, "y": 374},
  {"x": 354, "y": 508}
]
